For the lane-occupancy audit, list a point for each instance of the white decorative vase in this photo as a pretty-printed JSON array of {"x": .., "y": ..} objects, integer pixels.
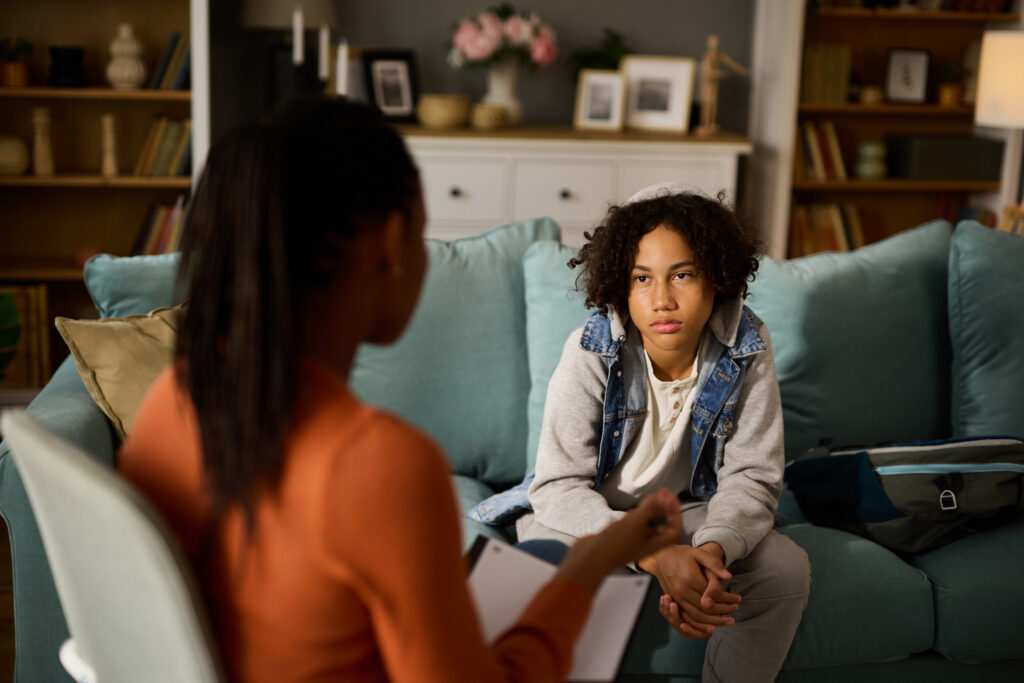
[
  {"x": 42, "y": 151},
  {"x": 501, "y": 89},
  {"x": 126, "y": 70}
]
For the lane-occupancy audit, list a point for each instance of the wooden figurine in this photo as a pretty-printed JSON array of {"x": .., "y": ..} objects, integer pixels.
[{"x": 710, "y": 73}]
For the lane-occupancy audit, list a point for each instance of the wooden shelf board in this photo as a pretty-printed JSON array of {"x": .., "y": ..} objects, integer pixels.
[
  {"x": 79, "y": 180},
  {"x": 836, "y": 109},
  {"x": 45, "y": 270},
  {"x": 551, "y": 131},
  {"x": 913, "y": 15},
  {"x": 896, "y": 185},
  {"x": 98, "y": 94}
]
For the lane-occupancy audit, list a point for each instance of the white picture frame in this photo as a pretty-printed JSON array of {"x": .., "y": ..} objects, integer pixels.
[
  {"x": 659, "y": 92},
  {"x": 600, "y": 100},
  {"x": 906, "y": 76}
]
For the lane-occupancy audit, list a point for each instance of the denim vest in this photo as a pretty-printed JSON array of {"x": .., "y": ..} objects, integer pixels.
[{"x": 625, "y": 407}]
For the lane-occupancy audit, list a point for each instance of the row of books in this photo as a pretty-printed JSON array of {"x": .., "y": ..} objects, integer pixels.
[
  {"x": 825, "y": 227},
  {"x": 819, "y": 156},
  {"x": 957, "y": 5},
  {"x": 825, "y": 73},
  {"x": 160, "y": 232},
  {"x": 174, "y": 68},
  {"x": 24, "y": 338},
  {"x": 167, "y": 150}
]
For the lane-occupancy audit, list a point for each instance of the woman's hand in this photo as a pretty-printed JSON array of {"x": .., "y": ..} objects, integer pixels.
[
  {"x": 695, "y": 602},
  {"x": 652, "y": 525}
]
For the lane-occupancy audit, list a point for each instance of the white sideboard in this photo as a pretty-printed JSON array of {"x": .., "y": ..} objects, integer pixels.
[{"x": 474, "y": 181}]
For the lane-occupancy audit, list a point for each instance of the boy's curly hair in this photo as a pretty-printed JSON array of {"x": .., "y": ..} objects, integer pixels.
[{"x": 722, "y": 246}]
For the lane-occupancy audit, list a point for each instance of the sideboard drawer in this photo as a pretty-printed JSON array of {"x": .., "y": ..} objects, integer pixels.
[
  {"x": 568, "y": 192},
  {"x": 465, "y": 189}
]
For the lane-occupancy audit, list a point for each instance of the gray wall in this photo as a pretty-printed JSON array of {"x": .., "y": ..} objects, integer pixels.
[{"x": 660, "y": 27}]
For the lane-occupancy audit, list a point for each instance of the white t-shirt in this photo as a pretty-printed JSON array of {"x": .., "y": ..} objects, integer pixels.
[{"x": 660, "y": 454}]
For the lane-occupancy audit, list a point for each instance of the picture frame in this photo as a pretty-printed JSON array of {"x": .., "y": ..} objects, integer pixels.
[
  {"x": 906, "y": 76},
  {"x": 600, "y": 100},
  {"x": 659, "y": 92},
  {"x": 391, "y": 82}
]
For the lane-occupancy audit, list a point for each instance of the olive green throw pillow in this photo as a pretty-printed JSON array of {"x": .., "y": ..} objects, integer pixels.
[{"x": 118, "y": 358}]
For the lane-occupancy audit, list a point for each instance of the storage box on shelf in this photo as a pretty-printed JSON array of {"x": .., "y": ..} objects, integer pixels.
[
  {"x": 886, "y": 204},
  {"x": 52, "y": 223}
]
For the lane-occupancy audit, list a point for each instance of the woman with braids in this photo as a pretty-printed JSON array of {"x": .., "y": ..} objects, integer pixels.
[
  {"x": 324, "y": 532},
  {"x": 671, "y": 383}
]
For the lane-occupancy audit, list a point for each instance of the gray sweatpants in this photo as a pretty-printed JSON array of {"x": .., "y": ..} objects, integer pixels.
[{"x": 774, "y": 581}]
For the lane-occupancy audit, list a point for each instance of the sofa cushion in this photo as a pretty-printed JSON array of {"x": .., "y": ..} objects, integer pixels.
[
  {"x": 132, "y": 285},
  {"x": 118, "y": 358},
  {"x": 553, "y": 310},
  {"x": 986, "y": 323},
  {"x": 459, "y": 372},
  {"x": 979, "y": 594},
  {"x": 860, "y": 340}
]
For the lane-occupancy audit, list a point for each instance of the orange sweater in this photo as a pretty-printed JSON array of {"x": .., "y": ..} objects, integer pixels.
[{"x": 354, "y": 570}]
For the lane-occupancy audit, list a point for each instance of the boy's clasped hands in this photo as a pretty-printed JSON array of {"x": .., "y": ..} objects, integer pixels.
[{"x": 695, "y": 602}]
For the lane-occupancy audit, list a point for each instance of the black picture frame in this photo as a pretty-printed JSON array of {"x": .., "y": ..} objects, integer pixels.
[
  {"x": 392, "y": 84},
  {"x": 906, "y": 76}
]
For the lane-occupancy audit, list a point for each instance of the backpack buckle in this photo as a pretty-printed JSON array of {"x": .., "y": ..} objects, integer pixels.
[{"x": 947, "y": 501}]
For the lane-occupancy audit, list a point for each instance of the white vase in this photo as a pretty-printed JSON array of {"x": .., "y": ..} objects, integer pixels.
[
  {"x": 126, "y": 71},
  {"x": 501, "y": 89}
]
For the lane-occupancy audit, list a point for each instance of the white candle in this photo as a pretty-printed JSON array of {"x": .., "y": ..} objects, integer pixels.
[
  {"x": 341, "y": 68},
  {"x": 297, "y": 47},
  {"x": 325, "y": 41}
]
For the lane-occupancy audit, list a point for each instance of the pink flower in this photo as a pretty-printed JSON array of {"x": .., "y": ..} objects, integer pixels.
[
  {"x": 543, "y": 51},
  {"x": 474, "y": 42},
  {"x": 490, "y": 26},
  {"x": 518, "y": 30}
]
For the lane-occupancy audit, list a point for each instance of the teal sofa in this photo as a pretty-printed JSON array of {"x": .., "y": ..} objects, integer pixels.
[{"x": 917, "y": 337}]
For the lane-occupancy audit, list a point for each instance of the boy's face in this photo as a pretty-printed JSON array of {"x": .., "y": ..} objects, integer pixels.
[{"x": 670, "y": 301}]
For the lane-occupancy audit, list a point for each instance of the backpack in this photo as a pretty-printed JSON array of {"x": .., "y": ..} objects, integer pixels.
[{"x": 912, "y": 497}]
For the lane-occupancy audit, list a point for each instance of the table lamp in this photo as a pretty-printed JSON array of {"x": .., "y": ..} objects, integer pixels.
[
  {"x": 1000, "y": 99},
  {"x": 290, "y": 75}
]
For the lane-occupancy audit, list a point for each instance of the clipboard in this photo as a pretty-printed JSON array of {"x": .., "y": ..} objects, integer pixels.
[{"x": 503, "y": 580}]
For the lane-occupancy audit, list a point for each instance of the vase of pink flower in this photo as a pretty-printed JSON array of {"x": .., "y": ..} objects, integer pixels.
[{"x": 502, "y": 40}]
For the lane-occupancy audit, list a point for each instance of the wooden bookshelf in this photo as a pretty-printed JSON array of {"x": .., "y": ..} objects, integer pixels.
[
  {"x": 51, "y": 223},
  {"x": 887, "y": 205}
]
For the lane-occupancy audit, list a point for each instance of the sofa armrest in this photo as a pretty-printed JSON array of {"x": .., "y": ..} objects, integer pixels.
[{"x": 64, "y": 405}]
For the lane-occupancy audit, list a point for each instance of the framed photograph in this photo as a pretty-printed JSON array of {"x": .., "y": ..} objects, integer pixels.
[
  {"x": 391, "y": 82},
  {"x": 600, "y": 99},
  {"x": 906, "y": 76},
  {"x": 659, "y": 92}
]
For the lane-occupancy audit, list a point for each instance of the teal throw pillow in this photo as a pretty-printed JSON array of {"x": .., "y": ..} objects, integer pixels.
[
  {"x": 132, "y": 285},
  {"x": 986, "y": 323},
  {"x": 553, "y": 310},
  {"x": 861, "y": 341},
  {"x": 460, "y": 371}
]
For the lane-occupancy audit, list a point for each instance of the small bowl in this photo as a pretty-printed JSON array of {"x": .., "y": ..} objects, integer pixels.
[
  {"x": 443, "y": 111},
  {"x": 489, "y": 116}
]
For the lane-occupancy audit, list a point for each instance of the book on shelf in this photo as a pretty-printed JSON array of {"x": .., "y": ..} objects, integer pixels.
[
  {"x": 835, "y": 154},
  {"x": 828, "y": 231},
  {"x": 825, "y": 73},
  {"x": 165, "y": 59},
  {"x": 174, "y": 65},
  {"x": 854, "y": 228},
  {"x": 160, "y": 232},
  {"x": 166, "y": 147},
  {"x": 816, "y": 167},
  {"x": 805, "y": 241},
  {"x": 24, "y": 337},
  {"x": 184, "y": 166},
  {"x": 183, "y": 80},
  {"x": 184, "y": 145},
  {"x": 156, "y": 131}
]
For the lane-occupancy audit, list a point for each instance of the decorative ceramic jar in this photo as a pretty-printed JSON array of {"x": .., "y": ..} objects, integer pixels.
[
  {"x": 126, "y": 70},
  {"x": 66, "y": 69},
  {"x": 871, "y": 160},
  {"x": 488, "y": 116},
  {"x": 443, "y": 111},
  {"x": 13, "y": 155},
  {"x": 501, "y": 88}
]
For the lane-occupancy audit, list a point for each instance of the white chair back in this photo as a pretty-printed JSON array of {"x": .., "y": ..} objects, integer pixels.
[{"x": 127, "y": 593}]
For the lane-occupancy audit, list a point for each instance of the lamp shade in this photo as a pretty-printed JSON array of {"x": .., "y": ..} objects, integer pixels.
[
  {"x": 1000, "y": 99},
  {"x": 278, "y": 13}
]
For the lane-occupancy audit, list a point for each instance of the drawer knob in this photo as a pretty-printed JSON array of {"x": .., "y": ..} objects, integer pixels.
[
  {"x": 456, "y": 191},
  {"x": 565, "y": 193}
]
